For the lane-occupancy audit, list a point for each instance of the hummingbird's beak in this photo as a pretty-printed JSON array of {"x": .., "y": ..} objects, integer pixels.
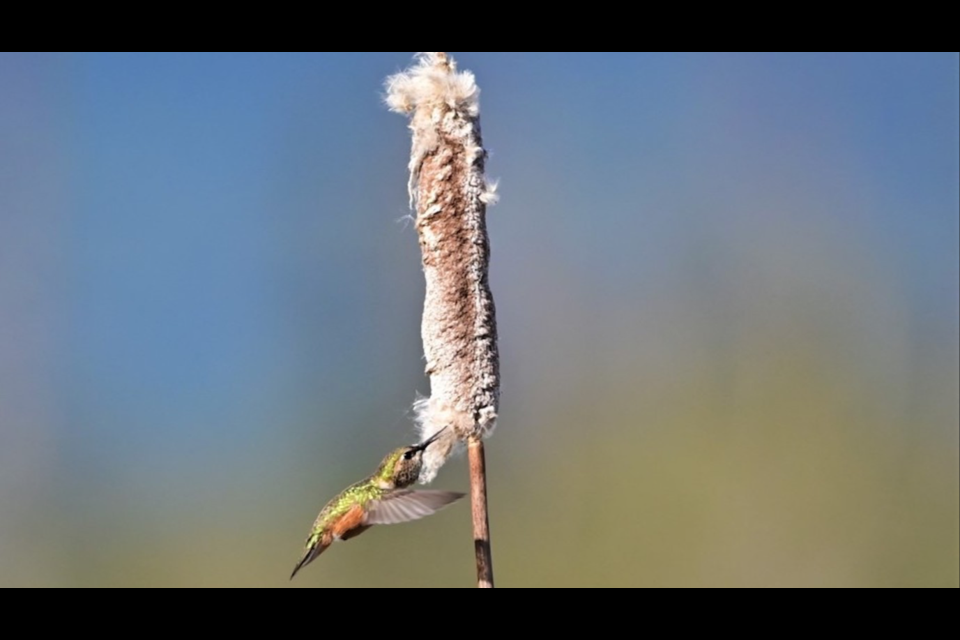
[{"x": 430, "y": 440}]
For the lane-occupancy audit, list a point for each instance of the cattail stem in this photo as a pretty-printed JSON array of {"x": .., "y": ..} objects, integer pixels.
[
  {"x": 450, "y": 195},
  {"x": 481, "y": 521}
]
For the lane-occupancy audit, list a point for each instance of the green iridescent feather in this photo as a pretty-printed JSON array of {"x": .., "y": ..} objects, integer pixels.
[{"x": 362, "y": 493}]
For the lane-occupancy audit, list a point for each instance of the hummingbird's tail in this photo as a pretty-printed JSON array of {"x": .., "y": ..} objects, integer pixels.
[{"x": 313, "y": 550}]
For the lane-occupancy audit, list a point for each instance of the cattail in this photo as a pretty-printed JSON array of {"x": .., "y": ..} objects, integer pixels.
[
  {"x": 459, "y": 330},
  {"x": 450, "y": 195}
]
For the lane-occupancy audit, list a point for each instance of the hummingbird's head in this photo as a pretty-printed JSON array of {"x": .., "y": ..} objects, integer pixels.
[{"x": 401, "y": 467}]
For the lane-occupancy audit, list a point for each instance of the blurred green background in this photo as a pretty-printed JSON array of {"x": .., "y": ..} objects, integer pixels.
[{"x": 727, "y": 289}]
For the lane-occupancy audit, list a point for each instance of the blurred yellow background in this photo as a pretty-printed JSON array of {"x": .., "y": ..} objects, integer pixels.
[{"x": 727, "y": 291}]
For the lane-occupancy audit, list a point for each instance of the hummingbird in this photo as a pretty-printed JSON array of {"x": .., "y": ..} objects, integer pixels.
[{"x": 383, "y": 498}]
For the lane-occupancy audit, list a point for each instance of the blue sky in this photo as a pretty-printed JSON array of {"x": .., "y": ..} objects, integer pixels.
[{"x": 203, "y": 261}]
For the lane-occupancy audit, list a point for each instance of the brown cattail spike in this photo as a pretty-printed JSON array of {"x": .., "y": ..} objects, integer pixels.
[{"x": 450, "y": 194}]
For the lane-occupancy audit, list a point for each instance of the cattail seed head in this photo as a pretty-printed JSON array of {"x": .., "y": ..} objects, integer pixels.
[{"x": 450, "y": 195}]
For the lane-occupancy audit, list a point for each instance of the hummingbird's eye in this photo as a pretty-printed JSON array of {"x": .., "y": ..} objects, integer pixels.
[{"x": 409, "y": 455}]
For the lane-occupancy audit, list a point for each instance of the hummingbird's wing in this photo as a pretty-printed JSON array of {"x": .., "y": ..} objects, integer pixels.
[{"x": 405, "y": 505}]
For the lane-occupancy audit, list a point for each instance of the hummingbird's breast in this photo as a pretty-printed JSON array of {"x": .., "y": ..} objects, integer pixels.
[
  {"x": 348, "y": 522},
  {"x": 354, "y": 498}
]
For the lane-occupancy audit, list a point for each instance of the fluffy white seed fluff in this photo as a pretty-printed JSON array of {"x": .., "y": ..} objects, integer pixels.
[{"x": 433, "y": 79}]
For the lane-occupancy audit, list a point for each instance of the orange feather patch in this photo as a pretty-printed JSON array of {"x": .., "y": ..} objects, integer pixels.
[{"x": 344, "y": 527}]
